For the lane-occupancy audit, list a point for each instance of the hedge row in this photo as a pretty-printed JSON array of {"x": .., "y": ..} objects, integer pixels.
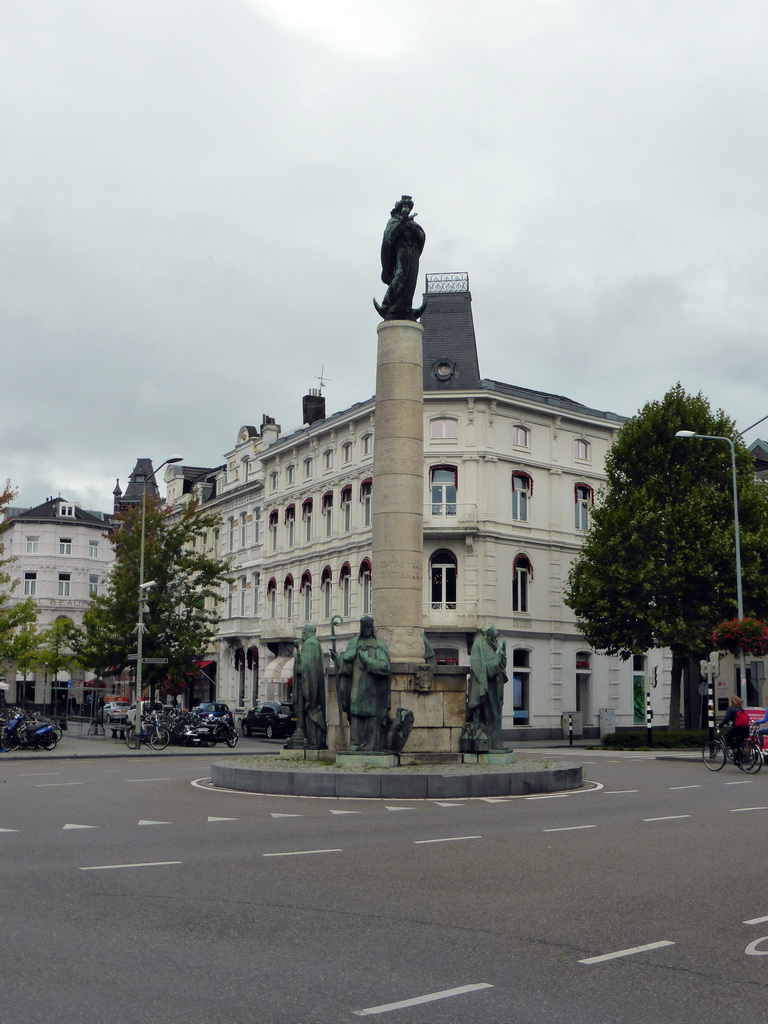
[{"x": 663, "y": 739}]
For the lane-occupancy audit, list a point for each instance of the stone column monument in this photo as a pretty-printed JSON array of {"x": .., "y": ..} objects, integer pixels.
[{"x": 398, "y": 454}]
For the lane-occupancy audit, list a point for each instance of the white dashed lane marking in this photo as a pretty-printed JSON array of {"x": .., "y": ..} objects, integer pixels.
[{"x": 626, "y": 952}]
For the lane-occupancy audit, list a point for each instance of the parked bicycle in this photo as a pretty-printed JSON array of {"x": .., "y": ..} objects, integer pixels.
[
  {"x": 748, "y": 756},
  {"x": 153, "y": 733}
]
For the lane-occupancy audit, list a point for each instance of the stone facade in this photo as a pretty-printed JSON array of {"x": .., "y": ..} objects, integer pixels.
[{"x": 509, "y": 478}]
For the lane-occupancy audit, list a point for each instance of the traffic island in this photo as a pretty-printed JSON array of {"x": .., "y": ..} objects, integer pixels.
[{"x": 282, "y": 776}]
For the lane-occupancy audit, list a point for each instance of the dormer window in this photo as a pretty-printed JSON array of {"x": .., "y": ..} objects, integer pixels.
[{"x": 66, "y": 510}]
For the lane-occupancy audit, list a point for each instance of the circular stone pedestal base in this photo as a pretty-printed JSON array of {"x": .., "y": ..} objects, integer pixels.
[{"x": 428, "y": 782}]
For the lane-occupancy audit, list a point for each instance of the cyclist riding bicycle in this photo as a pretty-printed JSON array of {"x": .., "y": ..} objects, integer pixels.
[
  {"x": 764, "y": 731},
  {"x": 737, "y": 720}
]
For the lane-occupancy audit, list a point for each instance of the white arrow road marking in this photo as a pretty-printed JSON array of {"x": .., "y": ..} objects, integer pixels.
[
  {"x": 78, "y": 826},
  {"x": 287, "y": 815},
  {"x": 9, "y": 830},
  {"x": 345, "y": 812},
  {"x": 756, "y": 920},
  {"x": 223, "y": 819},
  {"x": 442, "y": 803},
  {"x": 143, "y": 822},
  {"x": 400, "y": 808}
]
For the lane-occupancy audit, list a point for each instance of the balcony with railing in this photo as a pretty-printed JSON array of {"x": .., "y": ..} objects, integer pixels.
[
  {"x": 450, "y": 517},
  {"x": 280, "y": 628},
  {"x": 450, "y": 614}
]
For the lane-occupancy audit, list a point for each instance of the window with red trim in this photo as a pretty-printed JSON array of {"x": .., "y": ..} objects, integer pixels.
[
  {"x": 345, "y": 502},
  {"x": 364, "y": 578},
  {"x": 442, "y": 580},
  {"x": 443, "y": 483},
  {"x": 345, "y": 585},
  {"x": 522, "y": 575},
  {"x": 522, "y": 489},
  {"x": 366, "y": 499},
  {"x": 583, "y": 497}
]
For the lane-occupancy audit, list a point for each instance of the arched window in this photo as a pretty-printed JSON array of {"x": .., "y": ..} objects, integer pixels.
[
  {"x": 522, "y": 489},
  {"x": 308, "y": 468},
  {"x": 328, "y": 513},
  {"x": 444, "y": 428},
  {"x": 345, "y": 577},
  {"x": 583, "y": 680},
  {"x": 346, "y": 452},
  {"x": 364, "y": 578},
  {"x": 288, "y": 596},
  {"x": 366, "y": 500},
  {"x": 326, "y": 586},
  {"x": 521, "y": 685},
  {"x": 522, "y": 574},
  {"x": 306, "y": 515},
  {"x": 443, "y": 482},
  {"x": 520, "y": 436},
  {"x": 366, "y": 443},
  {"x": 442, "y": 577},
  {"x": 272, "y": 598},
  {"x": 290, "y": 525},
  {"x": 581, "y": 449},
  {"x": 274, "y": 519},
  {"x": 346, "y": 508},
  {"x": 583, "y": 497},
  {"x": 306, "y": 591}
]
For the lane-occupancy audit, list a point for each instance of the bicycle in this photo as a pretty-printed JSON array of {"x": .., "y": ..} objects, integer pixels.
[
  {"x": 156, "y": 735},
  {"x": 715, "y": 753}
]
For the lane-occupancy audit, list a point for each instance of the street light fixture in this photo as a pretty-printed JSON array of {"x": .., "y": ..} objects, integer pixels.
[
  {"x": 739, "y": 600},
  {"x": 143, "y": 591}
]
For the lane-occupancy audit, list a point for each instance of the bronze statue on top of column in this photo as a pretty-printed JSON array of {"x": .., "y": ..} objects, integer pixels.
[{"x": 401, "y": 248}]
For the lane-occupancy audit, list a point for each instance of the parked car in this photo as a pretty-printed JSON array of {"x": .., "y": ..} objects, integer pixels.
[
  {"x": 115, "y": 713},
  {"x": 217, "y": 709},
  {"x": 271, "y": 717}
]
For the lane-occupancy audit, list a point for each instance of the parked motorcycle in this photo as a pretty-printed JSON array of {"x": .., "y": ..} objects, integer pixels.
[
  {"x": 200, "y": 731},
  {"x": 22, "y": 732}
]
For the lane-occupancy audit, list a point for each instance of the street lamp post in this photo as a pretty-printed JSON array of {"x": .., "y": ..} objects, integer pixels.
[
  {"x": 739, "y": 599},
  {"x": 143, "y": 590}
]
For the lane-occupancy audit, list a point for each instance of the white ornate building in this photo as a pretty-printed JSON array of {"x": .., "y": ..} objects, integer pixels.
[
  {"x": 510, "y": 476},
  {"x": 61, "y": 557}
]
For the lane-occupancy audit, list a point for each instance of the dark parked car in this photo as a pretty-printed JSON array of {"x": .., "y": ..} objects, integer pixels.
[
  {"x": 270, "y": 717},
  {"x": 217, "y": 709}
]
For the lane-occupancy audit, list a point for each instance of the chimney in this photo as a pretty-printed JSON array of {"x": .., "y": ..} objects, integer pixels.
[{"x": 313, "y": 406}]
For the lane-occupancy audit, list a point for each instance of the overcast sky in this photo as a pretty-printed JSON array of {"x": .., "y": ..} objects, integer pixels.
[{"x": 194, "y": 192}]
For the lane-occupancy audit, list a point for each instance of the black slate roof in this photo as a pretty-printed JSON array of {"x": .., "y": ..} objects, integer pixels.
[{"x": 449, "y": 336}]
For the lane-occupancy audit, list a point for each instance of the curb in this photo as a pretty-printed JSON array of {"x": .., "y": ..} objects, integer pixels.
[{"x": 390, "y": 786}]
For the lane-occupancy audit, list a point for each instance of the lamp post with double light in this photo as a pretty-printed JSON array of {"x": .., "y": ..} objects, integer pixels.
[
  {"x": 739, "y": 599},
  {"x": 144, "y": 589}
]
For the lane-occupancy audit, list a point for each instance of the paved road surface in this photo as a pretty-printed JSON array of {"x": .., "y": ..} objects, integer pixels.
[{"x": 133, "y": 891}]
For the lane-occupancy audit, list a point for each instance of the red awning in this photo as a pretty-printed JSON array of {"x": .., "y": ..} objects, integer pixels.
[{"x": 203, "y": 664}]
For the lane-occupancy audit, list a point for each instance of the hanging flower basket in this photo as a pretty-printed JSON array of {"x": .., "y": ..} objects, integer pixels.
[{"x": 749, "y": 634}]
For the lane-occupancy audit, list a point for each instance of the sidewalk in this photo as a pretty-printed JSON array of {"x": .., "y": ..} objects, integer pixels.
[{"x": 75, "y": 746}]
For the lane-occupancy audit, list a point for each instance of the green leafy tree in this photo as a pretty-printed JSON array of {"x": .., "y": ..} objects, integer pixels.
[
  {"x": 657, "y": 568},
  {"x": 23, "y": 649},
  {"x": 13, "y": 613},
  {"x": 58, "y": 646},
  {"x": 180, "y": 615}
]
